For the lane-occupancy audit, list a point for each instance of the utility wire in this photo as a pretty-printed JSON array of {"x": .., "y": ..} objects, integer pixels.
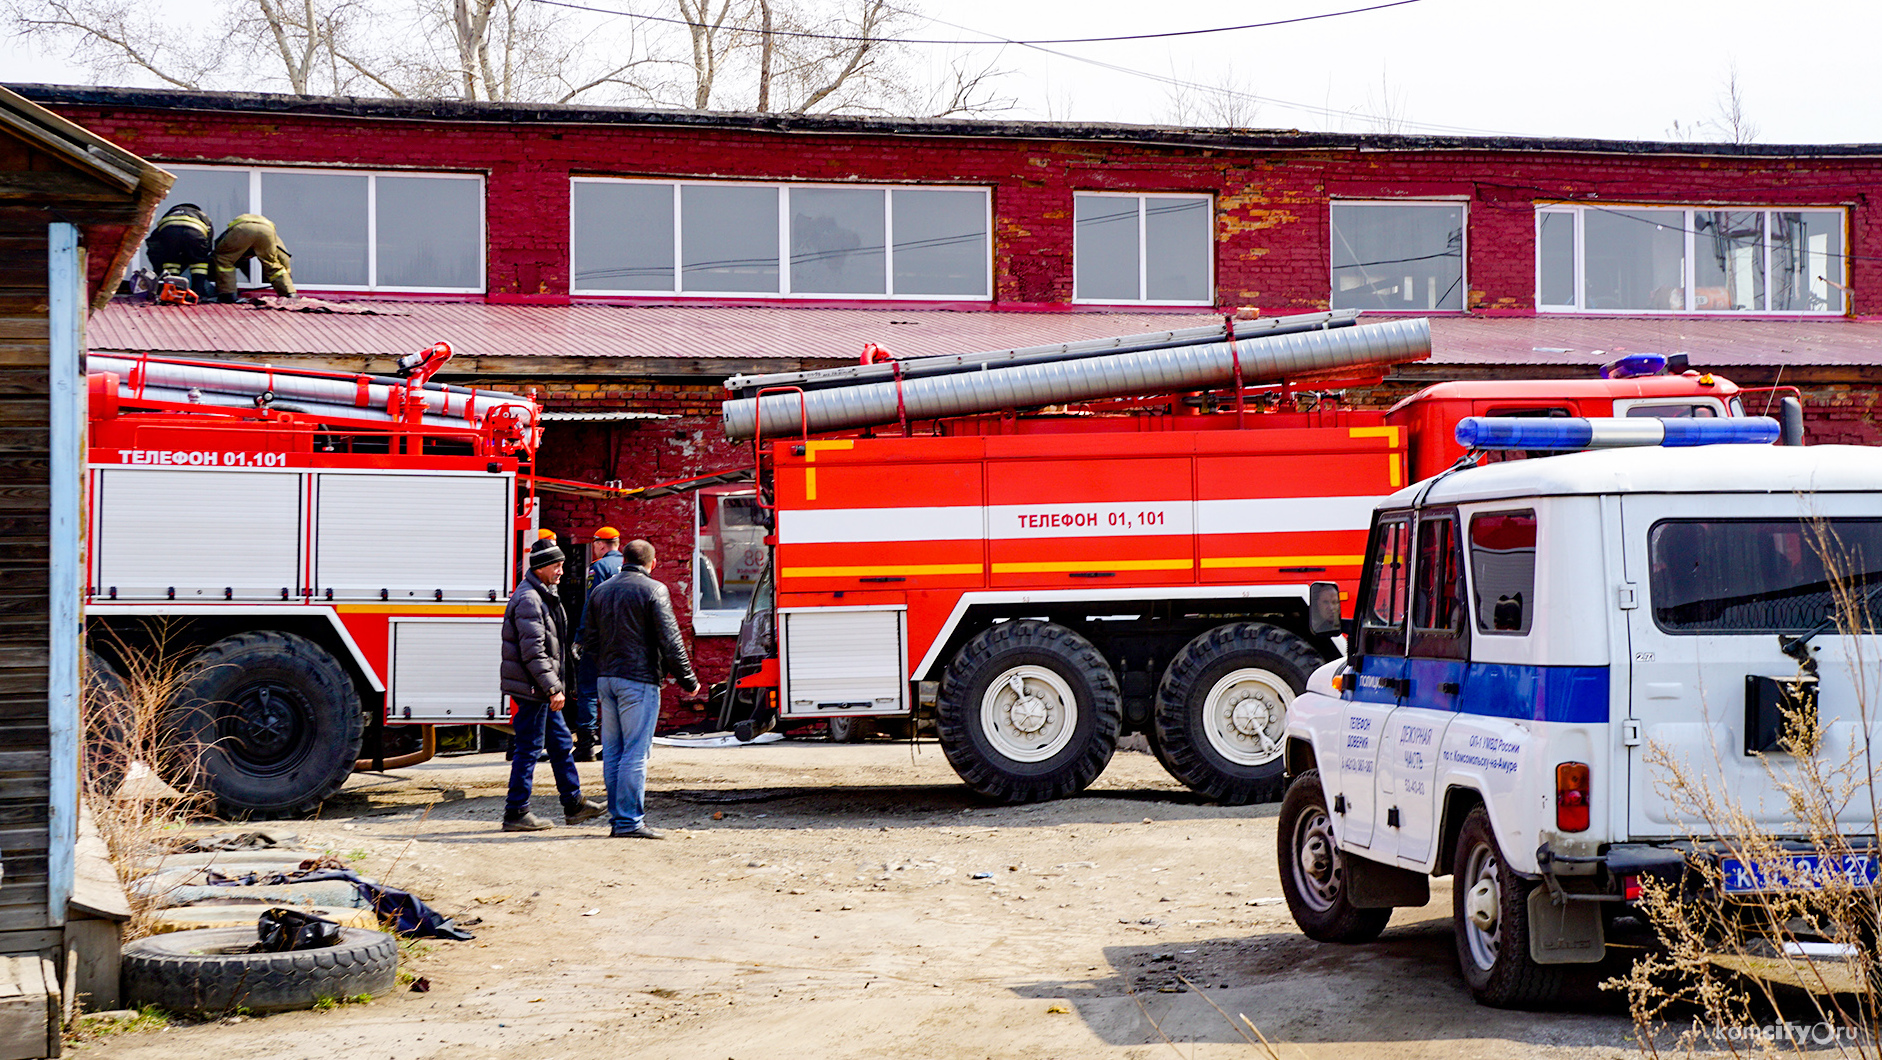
[{"x": 854, "y": 39}]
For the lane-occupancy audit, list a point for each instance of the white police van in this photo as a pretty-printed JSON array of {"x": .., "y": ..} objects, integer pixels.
[{"x": 1524, "y": 630}]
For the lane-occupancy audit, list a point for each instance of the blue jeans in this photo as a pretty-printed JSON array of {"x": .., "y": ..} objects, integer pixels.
[
  {"x": 587, "y": 697},
  {"x": 629, "y": 712},
  {"x": 536, "y": 724}
]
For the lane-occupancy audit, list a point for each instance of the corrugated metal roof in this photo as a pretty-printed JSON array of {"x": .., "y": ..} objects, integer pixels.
[
  {"x": 475, "y": 329},
  {"x": 1719, "y": 343}
]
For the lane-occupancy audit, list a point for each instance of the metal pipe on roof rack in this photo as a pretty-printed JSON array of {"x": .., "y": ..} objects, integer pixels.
[
  {"x": 340, "y": 392},
  {"x": 1268, "y": 358},
  {"x": 314, "y": 410},
  {"x": 950, "y": 364}
]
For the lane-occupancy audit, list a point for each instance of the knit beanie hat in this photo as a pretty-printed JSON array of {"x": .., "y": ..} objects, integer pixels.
[{"x": 543, "y": 553}]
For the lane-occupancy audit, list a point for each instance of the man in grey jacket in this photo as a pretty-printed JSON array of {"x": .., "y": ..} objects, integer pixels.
[
  {"x": 538, "y": 661},
  {"x": 630, "y": 632}
]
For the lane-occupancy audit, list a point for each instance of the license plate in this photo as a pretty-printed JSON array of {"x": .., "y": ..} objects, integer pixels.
[{"x": 1797, "y": 872}]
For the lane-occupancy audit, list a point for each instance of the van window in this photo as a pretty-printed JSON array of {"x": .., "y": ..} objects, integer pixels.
[
  {"x": 1678, "y": 411},
  {"x": 1437, "y": 610},
  {"x": 1756, "y": 575},
  {"x": 1388, "y": 588},
  {"x": 1503, "y": 570}
]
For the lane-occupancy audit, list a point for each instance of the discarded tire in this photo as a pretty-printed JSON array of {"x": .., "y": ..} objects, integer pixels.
[{"x": 209, "y": 972}]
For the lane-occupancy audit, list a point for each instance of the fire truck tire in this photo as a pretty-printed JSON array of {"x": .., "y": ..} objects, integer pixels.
[
  {"x": 277, "y": 721},
  {"x": 850, "y": 730},
  {"x": 106, "y": 726},
  {"x": 1029, "y": 711},
  {"x": 1222, "y": 710}
]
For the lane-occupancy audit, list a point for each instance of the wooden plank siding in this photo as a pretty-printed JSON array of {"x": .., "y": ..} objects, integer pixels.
[
  {"x": 45, "y": 177},
  {"x": 25, "y": 524}
]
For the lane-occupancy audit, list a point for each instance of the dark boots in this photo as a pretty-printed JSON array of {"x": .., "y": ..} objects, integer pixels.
[{"x": 584, "y": 745}]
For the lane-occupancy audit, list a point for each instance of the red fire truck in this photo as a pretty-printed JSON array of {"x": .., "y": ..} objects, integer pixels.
[
  {"x": 1040, "y": 558},
  {"x": 331, "y": 553}
]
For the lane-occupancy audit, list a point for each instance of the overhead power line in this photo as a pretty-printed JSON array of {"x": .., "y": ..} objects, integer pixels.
[{"x": 992, "y": 38}]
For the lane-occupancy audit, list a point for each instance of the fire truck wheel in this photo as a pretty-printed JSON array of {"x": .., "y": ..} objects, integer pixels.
[
  {"x": 1029, "y": 711},
  {"x": 849, "y": 730},
  {"x": 277, "y": 720},
  {"x": 107, "y": 726},
  {"x": 1222, "y": 710},
  {"x": 1313, "y": 869}
]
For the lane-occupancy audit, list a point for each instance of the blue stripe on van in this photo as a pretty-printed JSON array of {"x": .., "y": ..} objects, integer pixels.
[{"x": 1575, "y": 694}]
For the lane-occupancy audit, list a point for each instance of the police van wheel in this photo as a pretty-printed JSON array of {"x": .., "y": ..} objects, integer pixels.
[
  {"x": 1313, "y": 870},
  {"x": 1490, "y": 905},
  {"x": 1222, "y": 710},
  {"x": 1029, "y": 711},
  {"x": 275, "y": 721}
]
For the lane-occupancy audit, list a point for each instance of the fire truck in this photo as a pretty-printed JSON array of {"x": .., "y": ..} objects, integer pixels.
[
  {"x": 1038, "y": 551},
  {"x": 329, "y": 553}
]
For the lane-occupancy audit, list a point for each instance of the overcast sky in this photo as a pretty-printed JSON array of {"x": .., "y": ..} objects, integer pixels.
[{"x": 1620, "y": 69}]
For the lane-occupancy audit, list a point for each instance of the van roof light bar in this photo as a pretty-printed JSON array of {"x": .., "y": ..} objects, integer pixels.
[{"x": 1518, "y": 432}]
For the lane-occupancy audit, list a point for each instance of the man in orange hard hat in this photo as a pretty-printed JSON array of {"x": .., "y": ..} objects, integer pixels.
[{"x": 604, "y": 555}]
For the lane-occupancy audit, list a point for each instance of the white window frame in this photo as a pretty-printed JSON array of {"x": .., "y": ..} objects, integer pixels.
[
  {"x": 1463, "y": 263},
  {"x": 1143, "y": 247},
  {"x": 1580, "y": 210},
  {"x": 784, "y": 242},
  {"x": 255, "y": 205},
  {"x": 719, "y": 621}
]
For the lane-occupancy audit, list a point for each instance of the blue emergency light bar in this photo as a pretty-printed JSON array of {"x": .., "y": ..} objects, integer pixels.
[{"x": 1522, "y": 432}]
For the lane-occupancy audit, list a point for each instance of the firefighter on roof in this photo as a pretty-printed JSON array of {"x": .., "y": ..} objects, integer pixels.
[
  {"x": 252, "y": 236},
  {"x": 180, "y": 244}
]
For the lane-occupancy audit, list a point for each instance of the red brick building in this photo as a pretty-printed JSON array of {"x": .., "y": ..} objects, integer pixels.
[{"x": 624, "y": 262}]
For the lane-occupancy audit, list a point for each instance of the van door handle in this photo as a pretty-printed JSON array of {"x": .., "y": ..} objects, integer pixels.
[{"x": 1450, "y": 688}]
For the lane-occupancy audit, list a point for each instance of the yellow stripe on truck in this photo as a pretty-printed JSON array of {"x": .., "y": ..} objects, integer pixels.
[
  {"x": 1093, "y": 564},
  {"x": 1220, "y": 562}
]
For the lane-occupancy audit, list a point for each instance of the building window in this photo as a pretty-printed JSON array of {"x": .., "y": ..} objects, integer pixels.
[
  {"x": 631, "y": 237},
  {"x": 1398, "y": 256},
  {"x": 350, "y": 230},
  {"x": 728, "y": 556},
  {"x": 1143, "y": 248},
  {"x": 1684, "y": 260}
]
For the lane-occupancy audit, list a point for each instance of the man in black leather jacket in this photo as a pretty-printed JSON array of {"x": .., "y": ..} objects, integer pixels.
[
  {"x": 536, "y": 672},
  {"x": 630, "y": 633}
]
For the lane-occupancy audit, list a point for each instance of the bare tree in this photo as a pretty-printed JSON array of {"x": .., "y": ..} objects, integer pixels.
[
  {"x": 776, "y": 55},
  {"x": 1387, "y": 113},
  {"x": 1224, "y": 101},
  {"x": 1731, "y": 120}
]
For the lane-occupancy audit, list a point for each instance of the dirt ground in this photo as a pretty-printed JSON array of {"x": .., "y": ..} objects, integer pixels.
[{"x": 855, "y": 901}]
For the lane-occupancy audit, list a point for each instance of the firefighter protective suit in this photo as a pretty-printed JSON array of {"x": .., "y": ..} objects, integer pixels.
[
  {"x": 180, "y": 244},
  {"x": 252, "y": 236}
]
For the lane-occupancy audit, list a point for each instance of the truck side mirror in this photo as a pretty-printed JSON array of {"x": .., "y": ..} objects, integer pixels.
[
  {"x": 1790, "y": 422},
  {"x": 1323, "y": 608}
]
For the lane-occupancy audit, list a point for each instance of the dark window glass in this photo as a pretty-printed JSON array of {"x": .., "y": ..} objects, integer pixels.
[
  {"x": 1503, "y": 568},
  {"x": 1388, "y": 589},
  {"x": 1437, "y": 606},
  {"x": 1672, "y": 412},
  {"x": 1756, "y": 575}
]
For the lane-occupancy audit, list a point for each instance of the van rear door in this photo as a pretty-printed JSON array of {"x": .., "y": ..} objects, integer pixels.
[{"x": 1712, "y": 592}]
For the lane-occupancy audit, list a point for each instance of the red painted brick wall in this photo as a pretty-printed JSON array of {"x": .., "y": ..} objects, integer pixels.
[
  {"x": 640, "y": 453},
  {"x": 1272, "y": 248}
]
